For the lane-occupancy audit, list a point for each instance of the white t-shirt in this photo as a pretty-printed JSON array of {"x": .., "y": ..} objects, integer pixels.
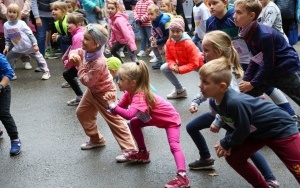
[{"x": 201, "y": 14}]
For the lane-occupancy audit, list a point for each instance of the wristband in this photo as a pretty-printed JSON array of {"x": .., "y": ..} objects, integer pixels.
[{"x": 112, "y": 106}]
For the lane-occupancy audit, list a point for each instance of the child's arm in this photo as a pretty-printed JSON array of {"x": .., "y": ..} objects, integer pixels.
[
  {"x": 5, "y": 70},
  {"x": 26, "y": 9},
  {"x": 217, "y": 124},
  {"x": 270, "y": 16},
  {"x": 196, "y": 102},
  {"x": 170, "y": 59},
  {"x": 123, "y": 28}
]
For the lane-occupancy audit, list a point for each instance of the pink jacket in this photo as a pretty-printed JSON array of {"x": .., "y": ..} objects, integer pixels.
[
  {"x": 140, "y": 12},
  {"x": 23, "y": 4},
  {"x": 121, "y": 31},
  {"x": 77, "y": 37},
  {"x": 95, "y": 75}
]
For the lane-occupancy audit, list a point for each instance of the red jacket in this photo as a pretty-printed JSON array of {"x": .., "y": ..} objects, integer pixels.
[{"x": 184, "y": 53}]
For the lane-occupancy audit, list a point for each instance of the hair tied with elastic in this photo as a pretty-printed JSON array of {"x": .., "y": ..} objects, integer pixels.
[{"x": 138, "y": 63}]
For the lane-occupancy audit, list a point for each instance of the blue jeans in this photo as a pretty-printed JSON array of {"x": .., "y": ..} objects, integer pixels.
[
  {"x": 5, "y": 116},
  {"x": 145, "y": 35},
  {"x": 42, "y": 32},
  {"x": 196, "y": 41},
  {"x": 170, "y": 76},
  {"x": 204, "y": 121}
]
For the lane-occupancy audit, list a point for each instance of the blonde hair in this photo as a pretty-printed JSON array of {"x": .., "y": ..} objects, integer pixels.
[
  {"x": 73, "y": 3},
  {"x": 251, "y": 6},
  {"x": 139, "y": 72},
  {"x": 75, "y": 18},
  {"x": 219, "y": 70},
  {"x": 60, "y": 5},
  {"x": 15, "y": 8},
  {"x": 153, "y": 7},
  {"x": 221, "y": 42},
  {"x": 170, "y": 6},
  {"x": 116, "y": 4}
]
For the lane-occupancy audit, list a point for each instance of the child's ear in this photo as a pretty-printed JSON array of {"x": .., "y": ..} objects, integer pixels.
[{"x": 223, "y": 86}]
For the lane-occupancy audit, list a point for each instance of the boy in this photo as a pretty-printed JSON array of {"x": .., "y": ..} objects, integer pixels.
[
  {"x": 6, "y": 74},
  {"x": 160, "y": 32},
  {"x": 251, "y": 124},
  {"x": 201, "y": 14},
  {"x": 274, "y": 63}
]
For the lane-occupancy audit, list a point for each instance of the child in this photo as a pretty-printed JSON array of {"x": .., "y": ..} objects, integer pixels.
[
  {"x": 160, "y": 33},
  {"x": 74, "y": 26},
  {"x": 142, "y": 20},
  {"x": 6, "y": 74},
  {"x": 201, "y": 14},
  {"x": 167, "y": 7},
  {"x": 59, "y": 13},
  {"x": 270, "y": 16},
  {"x": 72, "y": 5},
  {"x": 94, "y": 10},
  {"x": 178, "y": 60},
  {"x": 93, "y": 73},
  {"x": 218, "y": 44},
  {"x": 143, "y": 108},
  {"x": 18, "y": 34},
  {"x": 252, "y": 124},
  {"x": 278, "y": 66},
  {"x": 121, "y": 31},
  {"x": 222, "y": 19}
]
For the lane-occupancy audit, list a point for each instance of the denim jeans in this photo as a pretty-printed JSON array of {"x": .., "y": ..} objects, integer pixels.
[
  {"x": 170, "y": 76},
  {"x": 70, "y": 76},
  {"x": 145, "y": 35},
  {"x": 156, "y": 50},
  {"x": 42, "y": 32},
  {"x": 196, "y": 41},
  {"x": 204, "y": 121},
  {"x": 5, "y": 116}
]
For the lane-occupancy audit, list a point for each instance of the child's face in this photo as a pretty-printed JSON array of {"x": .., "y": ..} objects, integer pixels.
[
  {"x": 242, "y": 17},
  {"x": 209, "y": 88},
  {"x": 71, "y": 27},
  {"x": 217, "y": 8},
  {"x": 176, "y": 34},
  {"x": 208, "y": 51},
  {"x": 164, "y": 8},
  {"x": 12, "y": 15},
  {"x": 70, "y": 7},
  {"x": 111, "y": 9},
  {"x": 88, "y": 43},
  {"x": 125, "y": 84},
  {"x": 58, "y": 14},
  {"x": 152, "y": 15}
]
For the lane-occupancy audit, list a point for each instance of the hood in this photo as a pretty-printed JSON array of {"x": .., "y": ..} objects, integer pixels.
[
  {"x": 78, "y": 29},
  {"x": 119, "y": 14},
  {"x": 229, "y": 13}
]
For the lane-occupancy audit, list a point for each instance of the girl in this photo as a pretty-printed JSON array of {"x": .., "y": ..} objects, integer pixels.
[
  {"x": 166, "y": 6},
  {"x": 74, "y": 26},
  {"x": 72, "y": 5},
  {"x": 143, "y": 108},
  {"x": 121, "y": 31},
  {"x": 178, "y": 61},
  {"x": 218, "y": 44},
  {"x": 19, "y": 35},
  {"x": 93, "y": 73}
]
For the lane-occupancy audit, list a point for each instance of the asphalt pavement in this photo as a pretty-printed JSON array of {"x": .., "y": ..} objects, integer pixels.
[{"x": 51, "y": 137}]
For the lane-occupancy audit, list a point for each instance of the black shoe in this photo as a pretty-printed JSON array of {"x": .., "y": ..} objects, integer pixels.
[
  {"x": 157, "y": 65},
  {"x": 201, "y": 164}
]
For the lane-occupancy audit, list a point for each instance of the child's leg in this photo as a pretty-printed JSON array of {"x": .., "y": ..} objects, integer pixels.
[
  {"x": 148, "y": 35},
  {"x": 288, "y": 150},
  {"x": 115, "y": 50},
  {"x": 136, "y": 126},
  {"x": 280, "y": 100},
  {"x": 170, "y": 76},
  {"x": 173, "y": 134},
  {"x": 193, "y": 128},
  {"x": 41, "y": 62},
  {"x": 143, "y": 38},
  {"x": 262, "y": 165},
  {"x": 87, "y": 115},
  {"x": 12, "y": 57},
  {"x": 116, "y": 123},
  {"x": 157, "y": 53},
  {"x": 70, "y": 76},
  {"x": 238, "y": 160},
  {"x": 5, "y": 116}
]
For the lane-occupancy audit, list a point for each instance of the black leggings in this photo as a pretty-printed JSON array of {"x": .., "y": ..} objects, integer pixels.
[{"x": 70, "y": 76}]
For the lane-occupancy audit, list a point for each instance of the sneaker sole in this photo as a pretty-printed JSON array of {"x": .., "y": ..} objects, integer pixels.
[
  {"x": 88, "y": 148},
  {"x": 14, "y": 154},
  {"x": 183, "y": 186},
  {"x": 139, "y": 160},
  {"x": 203, "y": 168}
]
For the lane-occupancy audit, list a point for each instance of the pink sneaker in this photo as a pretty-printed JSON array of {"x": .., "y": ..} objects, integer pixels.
[
  {"x": 142, "y": 157},
  {"x": 179, "y": 182}
]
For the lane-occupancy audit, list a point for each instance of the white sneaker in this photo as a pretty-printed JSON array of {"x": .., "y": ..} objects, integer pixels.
[
  {"x": 89, "y": 145},
  {"x": 14, "y": 78},
  {"x": 151, "y": 54},
  {"x": 121, "y": 158},
  {"x": 27, "y": 66},
  {"x": 141, "y": 53},
  {"x": 46, "y": 76},
  {"x": 38, "y": 69},
  {"x": 154, "y": 60},
  {"x": 122, "y": 54},
  {"x": 75, "y": 101},
  {"x": 177, "y": 94}
]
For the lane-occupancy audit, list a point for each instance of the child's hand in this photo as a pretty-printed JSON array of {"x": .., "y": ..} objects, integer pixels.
[
  {"x": 214, "y": 128},
  {"x": 76, "y": 57},
  {"x": 35, "y": 48},
  {"x": 193, "y": 109},
  {"x": 109, "y": 97},
  {"x": 153, "y": 43},
  {"x": 221, "y": 152},
  {"x": 54, "y": 37},
  {"x": 138, "y": 22},
  {"x": 5, "y": 49},
  {"x": 175, "y": 68},
  {"x": 245, "y": 86}
]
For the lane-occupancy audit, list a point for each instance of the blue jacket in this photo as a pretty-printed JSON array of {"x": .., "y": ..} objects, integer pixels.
[
  {"x": 279, "y": 58},
  {"x": 160, "y": 28},
  {"x": 90, "y": 5},
  {"x": 5, "y": 69},
  {"x": 250, "y": 117}
]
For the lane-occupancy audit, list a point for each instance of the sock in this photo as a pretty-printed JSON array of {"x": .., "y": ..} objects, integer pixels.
[
  {"x": 280, "y": 100},
  {"x": 182, "y": 173}
]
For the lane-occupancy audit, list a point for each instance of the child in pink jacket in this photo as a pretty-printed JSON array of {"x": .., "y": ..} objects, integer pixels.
[
  {"x": 121, "y": 31},
  {"x": 74, "y": 25}
]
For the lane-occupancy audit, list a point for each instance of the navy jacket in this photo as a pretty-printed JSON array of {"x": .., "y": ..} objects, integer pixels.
[{"x": 160, "y": 29}]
